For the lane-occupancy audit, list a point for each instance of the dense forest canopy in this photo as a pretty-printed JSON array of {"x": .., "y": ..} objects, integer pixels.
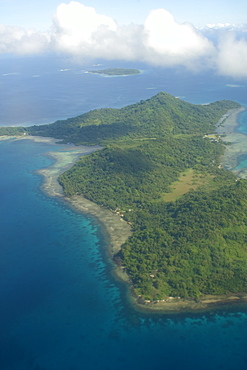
[
  {"x": 155, "y": 151},
  {"x": 158, "y": 117}
]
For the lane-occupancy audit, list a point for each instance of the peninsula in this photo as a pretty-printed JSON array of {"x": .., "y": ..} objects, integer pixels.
[
  {"x": 160, "y": 171},
  {"x": 116, "y": 71}
]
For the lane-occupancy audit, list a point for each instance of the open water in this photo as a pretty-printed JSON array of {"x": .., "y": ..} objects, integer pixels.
[{"x": 60, "y": 308}]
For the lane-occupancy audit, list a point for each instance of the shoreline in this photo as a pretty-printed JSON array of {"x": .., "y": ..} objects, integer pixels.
[
  {"x": 117, "y": 231},
  {"x": 226, "y": 130},
  {"x": 177, "y": 305}
]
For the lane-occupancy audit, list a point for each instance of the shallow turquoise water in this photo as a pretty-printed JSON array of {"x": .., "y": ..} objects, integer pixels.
[{"x": 60, "y": 307}]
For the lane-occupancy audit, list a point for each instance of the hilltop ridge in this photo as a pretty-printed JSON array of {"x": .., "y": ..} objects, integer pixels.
[
  {"x": 187, "y": 242},
  {"x": 159, "y": 116}
]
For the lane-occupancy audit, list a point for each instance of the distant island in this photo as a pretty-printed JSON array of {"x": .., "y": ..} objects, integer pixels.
[
  {"x": 160, "y": 171},
  {"x": 116, "y": 71}
]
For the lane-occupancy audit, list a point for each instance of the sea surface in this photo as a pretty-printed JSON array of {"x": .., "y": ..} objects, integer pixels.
[{"x": 60, "y": 307}]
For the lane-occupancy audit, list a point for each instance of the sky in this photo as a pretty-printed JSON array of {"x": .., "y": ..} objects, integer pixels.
[{"x": 198, "y": 35}]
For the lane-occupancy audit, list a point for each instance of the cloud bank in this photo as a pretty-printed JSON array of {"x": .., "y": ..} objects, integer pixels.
[
  {"x": 78, "y": 30},
  {"x": 19, "y": 41}
]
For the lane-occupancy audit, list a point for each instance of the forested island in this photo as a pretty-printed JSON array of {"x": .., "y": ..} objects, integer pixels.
[
  {"x": 116, "y": 71},
  {"x": 160, "y": 169}
]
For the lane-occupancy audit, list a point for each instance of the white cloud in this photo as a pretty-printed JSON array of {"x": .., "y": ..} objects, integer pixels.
[
  {"x": 232, "y": 56},
  {"x": 75, "y": 27},
  {"x": 80, "y": 31},
  {"x": 20, "y": 41},
  {"x": 220, "y": 25},
  {"x": 173, "y": 43}
]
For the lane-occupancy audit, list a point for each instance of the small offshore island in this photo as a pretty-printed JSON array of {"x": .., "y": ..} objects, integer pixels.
[
  {"x": 160, "y": 170},
  {"x": 116, "y": 71}
]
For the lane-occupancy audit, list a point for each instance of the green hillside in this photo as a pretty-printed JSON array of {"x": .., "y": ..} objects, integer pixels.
[
  {"x": 155, "y": 151},
  {"x": 159, "y": 117}
]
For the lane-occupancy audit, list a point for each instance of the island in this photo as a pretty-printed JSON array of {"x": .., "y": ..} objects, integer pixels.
[
  {"x": 160, "y": 170},
  {"x": 117, "y": 71}
]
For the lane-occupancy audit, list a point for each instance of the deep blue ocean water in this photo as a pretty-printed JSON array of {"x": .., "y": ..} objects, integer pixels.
[{"x": 60, "y": 307}]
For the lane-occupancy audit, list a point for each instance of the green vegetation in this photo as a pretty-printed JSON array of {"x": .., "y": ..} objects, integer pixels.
[
  {"x": 161, "y": 117},
  {"x": 163, "y": 175},
  {"x": 12, "y": 131},
  {"x": 194, "y": 246},
  {"x": 188, "y": 180},
  {"x": 117, "y": 71}
]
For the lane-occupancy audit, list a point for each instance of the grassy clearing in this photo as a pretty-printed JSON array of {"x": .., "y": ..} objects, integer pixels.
[{"x": 188, "y": 180}]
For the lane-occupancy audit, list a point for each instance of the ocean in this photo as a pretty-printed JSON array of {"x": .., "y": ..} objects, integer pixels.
[{"x": 60, "y": 307}]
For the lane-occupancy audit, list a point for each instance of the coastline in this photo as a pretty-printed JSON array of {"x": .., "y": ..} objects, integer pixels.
[
  {"x": 177, "y": 305},
  {"x": 225, "y": 128},
  {"x": 236, "y": 142},
  {"x": 40, "y": 139},
  {"x": 117, "y": 230}
]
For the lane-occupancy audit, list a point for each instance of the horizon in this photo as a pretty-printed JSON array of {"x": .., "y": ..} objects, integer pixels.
[
  {"x": 197, "y": 36},
  {"x": 160, "y": 178}
]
